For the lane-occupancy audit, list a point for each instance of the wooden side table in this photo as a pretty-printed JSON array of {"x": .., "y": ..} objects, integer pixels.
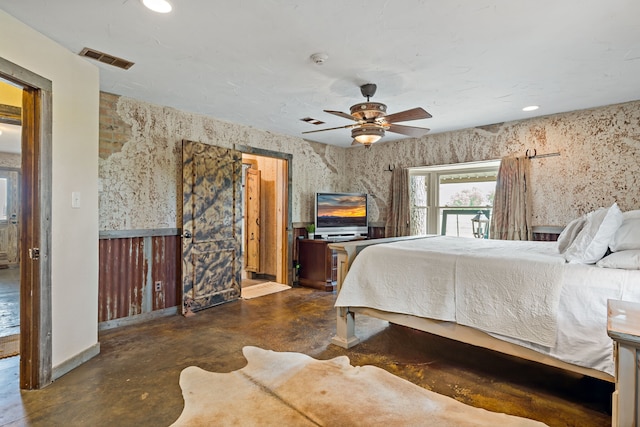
[
  {"x": 317, "y": 264},
  {"x": 623, "y": 326}
]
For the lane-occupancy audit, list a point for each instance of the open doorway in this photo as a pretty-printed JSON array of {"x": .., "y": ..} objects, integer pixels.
[
  {"x": 213, "y": 223},
  {"x": 266, "y": 216},
  {"x": 10, "y": 164},
  {"x": 34, "y": 224}
]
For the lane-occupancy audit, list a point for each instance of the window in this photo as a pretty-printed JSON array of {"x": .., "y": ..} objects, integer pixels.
[{"x": 444, "y": 199}]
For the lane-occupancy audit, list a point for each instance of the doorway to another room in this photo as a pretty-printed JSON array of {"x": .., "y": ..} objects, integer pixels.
[
  {"x": 265, "y": 219},
  {"x": 214, "y": 227},
  {"x": 10, "y": 164}
]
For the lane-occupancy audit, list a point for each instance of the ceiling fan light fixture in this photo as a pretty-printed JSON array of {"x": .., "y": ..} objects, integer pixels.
[
  {"x": 160, "y": 6},
  {"x": 367, "y": 135},
  {"x": 368, "y": 110}
]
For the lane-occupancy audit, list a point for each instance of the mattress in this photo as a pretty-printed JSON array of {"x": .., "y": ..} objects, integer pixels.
[{"x": 408, "y": 277}]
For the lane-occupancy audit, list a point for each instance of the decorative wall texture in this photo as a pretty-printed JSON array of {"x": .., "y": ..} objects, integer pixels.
[
  {"x": 598, "y": 165},
  {"x": 139, "y": 165},
  {"x": 140, "y": 176}
]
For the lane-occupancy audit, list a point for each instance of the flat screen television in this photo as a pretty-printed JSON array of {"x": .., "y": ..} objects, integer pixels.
[{"x": 341, "y": 214}]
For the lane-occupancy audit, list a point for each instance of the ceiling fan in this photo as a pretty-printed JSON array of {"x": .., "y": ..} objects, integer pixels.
[{"x": 372, "y": 120}]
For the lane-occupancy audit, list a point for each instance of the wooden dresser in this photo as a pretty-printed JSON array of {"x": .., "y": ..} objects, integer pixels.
[{"x": 623, "y": 326}]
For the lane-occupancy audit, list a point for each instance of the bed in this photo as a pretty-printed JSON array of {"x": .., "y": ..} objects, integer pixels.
[{"x": 565, "y": 327}]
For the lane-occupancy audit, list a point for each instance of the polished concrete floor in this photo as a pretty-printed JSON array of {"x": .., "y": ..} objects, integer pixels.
[{"x": 134, "y": 380}]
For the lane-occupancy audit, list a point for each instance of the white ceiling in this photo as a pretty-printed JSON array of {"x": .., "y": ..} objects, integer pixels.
[{"x": 467, "y": 62}]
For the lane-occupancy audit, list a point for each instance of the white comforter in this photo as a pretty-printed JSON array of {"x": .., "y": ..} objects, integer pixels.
[
  {"x": 422, "y": 278},
  {"x": 509, "y": 288}
]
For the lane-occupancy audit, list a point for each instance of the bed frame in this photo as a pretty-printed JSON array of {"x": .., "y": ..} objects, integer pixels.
[{"x": 345, "y": 320}]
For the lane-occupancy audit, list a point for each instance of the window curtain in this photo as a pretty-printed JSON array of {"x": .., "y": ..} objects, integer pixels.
[
  {"x": 511, "y": 216},
  {"x": 398, "y": 219}
]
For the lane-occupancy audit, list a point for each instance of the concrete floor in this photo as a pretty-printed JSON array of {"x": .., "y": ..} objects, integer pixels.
[{"x": 134, "y": 380}]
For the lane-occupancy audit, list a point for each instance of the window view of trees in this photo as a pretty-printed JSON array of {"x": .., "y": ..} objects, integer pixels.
[
  {"x": 445, "y": 199},
  {"x": 469, "y": 195},
  {"x": 473, "y": 196},
  {"x": 418, "y": 190}
]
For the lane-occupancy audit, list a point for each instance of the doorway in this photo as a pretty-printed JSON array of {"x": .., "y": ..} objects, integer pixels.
[
  {"x": 34, "y": 224},
  {"x": 10, "y": 165},
  {"x": 213, "y": 222},
  {"x": 265, "y": 219}
]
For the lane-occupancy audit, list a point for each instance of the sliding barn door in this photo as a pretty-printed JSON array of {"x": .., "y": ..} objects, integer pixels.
[{"x": 211, "y": 225}]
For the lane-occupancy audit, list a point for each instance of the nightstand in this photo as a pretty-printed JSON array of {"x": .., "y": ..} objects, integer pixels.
[
  {"x": 317, "y": 264},
  {"x": 623, "y": 326}
]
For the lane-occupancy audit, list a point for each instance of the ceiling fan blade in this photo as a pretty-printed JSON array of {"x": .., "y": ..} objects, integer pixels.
[
  {"x": 339, "y": 127},
  {"x": 413, "y": 131},
  {"x": 341, "y": 114},
  {"x": 354, "y": 142},
  {"x": 404, "y": 116}
]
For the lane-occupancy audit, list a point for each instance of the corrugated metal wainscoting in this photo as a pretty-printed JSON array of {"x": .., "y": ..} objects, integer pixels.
[{"x": 139, "y": 272}]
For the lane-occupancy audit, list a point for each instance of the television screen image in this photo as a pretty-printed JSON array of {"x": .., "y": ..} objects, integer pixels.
[
  {"x": 341, "y": 213},
  {"x": 337, "y": 210}
]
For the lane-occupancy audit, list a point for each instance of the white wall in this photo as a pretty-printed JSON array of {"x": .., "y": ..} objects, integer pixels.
[{"x": 74, "y": 254}]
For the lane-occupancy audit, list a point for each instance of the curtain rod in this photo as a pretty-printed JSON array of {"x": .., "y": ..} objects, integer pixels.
[{"x": 539, "y": 156}]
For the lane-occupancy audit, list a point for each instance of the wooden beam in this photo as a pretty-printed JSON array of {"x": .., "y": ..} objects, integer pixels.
[{"x": 10, "y": 114}]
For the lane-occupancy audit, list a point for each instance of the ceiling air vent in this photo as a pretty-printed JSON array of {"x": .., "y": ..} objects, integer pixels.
[
  {"x": 312, "y": 121},
  {"x": 106, "y": 58}
]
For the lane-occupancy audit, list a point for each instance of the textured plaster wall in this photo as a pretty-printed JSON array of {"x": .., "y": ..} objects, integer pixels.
[
  {"x": 598, "y": 165},
  {"x": 141, "y": 159},
  {"x": 140, "y": 172}
]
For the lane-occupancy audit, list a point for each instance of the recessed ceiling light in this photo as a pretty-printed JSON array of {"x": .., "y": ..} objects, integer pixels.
[
  {"x": 530, "y": 108},
  {"x": 160, "y": 6}
]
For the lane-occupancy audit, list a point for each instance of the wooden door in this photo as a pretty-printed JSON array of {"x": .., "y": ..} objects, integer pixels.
[
  {"x": 211, "y": 224},
  {"x": 252, "y": 215}
]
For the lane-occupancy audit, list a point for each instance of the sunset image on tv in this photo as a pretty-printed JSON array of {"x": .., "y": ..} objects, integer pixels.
[{"x": 335, "y": 210}]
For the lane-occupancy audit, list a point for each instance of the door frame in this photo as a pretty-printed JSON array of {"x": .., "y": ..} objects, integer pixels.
[
  {"x": 287, "y": 254},
  {"x": 35, "y": 228}
]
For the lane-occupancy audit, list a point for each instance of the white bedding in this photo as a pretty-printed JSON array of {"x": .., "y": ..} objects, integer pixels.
[{"x": 394, "y": 277}]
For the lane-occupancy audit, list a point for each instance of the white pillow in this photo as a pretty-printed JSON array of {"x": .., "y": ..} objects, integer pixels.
[
  {"x": 631, "y": 214},
  {"x": 628, "y": 235},
  {"x": 593, "y": 240},
  {"x": 629, "y": 260},
  {"x": 570, "y": 232}
]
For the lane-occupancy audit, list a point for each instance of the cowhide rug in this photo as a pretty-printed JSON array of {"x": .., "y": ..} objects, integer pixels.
[{"x": 280, "y": 389}]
